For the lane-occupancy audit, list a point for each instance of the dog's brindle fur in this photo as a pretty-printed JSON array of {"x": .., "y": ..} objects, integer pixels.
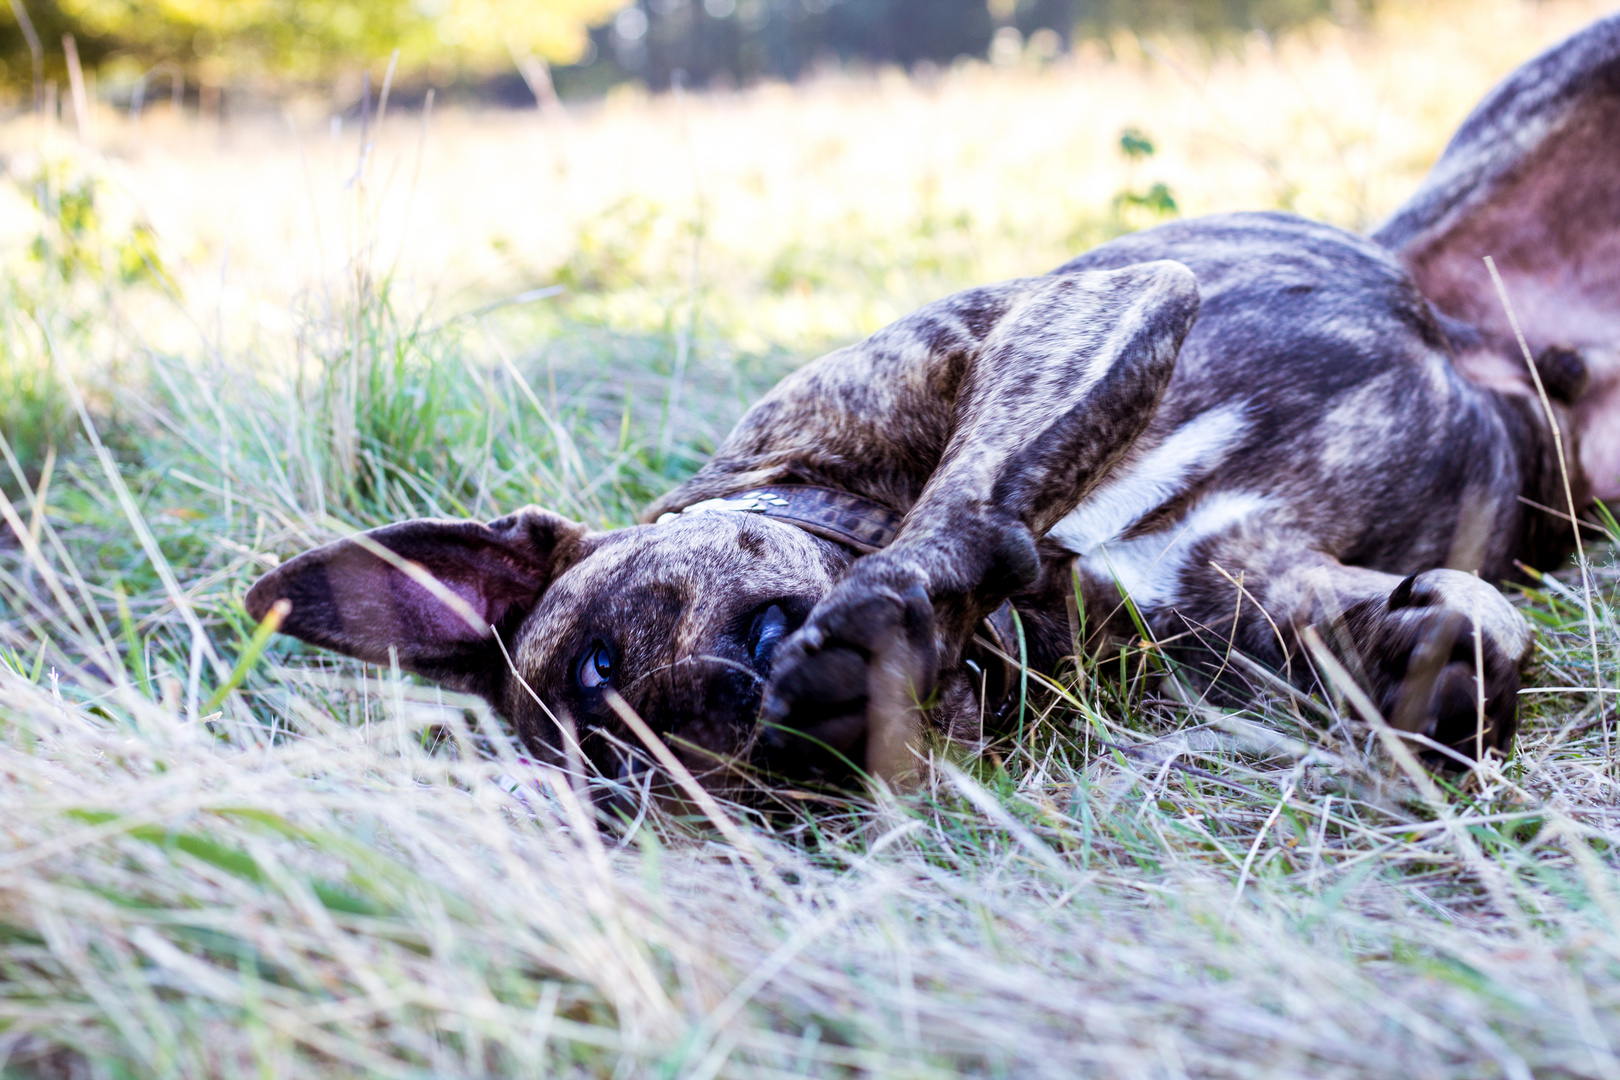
[{"x": 1252, "y": 423}]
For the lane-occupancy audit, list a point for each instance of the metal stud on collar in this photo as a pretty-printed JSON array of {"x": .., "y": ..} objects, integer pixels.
[{"x": 753, "y": 503}]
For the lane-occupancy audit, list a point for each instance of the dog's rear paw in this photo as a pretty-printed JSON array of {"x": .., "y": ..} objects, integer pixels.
[
  {"x": 1443, "y": 655},
  {"x": 869, "y": 639}
]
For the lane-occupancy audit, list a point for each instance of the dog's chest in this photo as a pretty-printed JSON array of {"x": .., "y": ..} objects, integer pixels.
[{"x": 1143, "y": 525}]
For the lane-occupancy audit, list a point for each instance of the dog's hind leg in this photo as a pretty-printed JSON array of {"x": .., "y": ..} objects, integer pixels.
[{"x": 1439, "y": 653}]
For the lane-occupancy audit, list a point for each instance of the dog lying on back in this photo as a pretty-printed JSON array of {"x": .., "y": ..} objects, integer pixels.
[{"x": 1253, "y": 425}]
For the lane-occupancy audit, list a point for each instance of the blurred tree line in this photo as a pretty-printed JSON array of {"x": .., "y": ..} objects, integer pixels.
[
  {"x": 591, "y": 44},
  {"x": 742, "y": 40}
]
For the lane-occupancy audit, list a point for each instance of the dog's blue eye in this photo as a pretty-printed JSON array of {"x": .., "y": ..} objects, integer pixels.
[
  {"x": 597, "y": 666},
  {"x": 770, "y": 627}
]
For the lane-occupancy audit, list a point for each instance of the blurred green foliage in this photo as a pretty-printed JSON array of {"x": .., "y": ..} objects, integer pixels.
[
  {"x": 57, "y": 291},
  {"x": 1137, "y": 209},
  {"x": 222, "y": 42},
  {"x": 1134, "y": 144},
  {"x": 73, "y": 241}
]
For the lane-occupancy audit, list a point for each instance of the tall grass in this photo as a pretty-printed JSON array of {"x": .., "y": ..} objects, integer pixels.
[{"x": 227, "y": 855}]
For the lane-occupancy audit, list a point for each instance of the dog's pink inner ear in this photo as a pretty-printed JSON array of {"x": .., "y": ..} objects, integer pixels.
[
  {"x": 1553, "y": 229},
  {"x": 424, "y": 592},
  {"x": 1532, "y": 179}
]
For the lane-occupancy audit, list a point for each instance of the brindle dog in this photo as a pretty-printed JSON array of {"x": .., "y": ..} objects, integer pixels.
[{"x": 1252, "y": 424}]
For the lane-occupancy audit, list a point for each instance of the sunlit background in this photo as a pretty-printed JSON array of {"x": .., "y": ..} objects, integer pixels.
[{"x": 769, "y": 175}]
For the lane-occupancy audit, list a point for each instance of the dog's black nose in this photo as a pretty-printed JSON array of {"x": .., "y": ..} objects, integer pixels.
[
  {"x": 1563, "y": 373},
  {"x": 769, "y": 627}
]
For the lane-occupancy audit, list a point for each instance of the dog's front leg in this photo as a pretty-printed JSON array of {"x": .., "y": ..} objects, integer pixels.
[{"x": 1050, "y": 400}]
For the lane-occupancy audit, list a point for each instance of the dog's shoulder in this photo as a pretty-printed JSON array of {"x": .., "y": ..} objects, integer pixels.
[
  {"x": 1295, "y": 313},
  {"x": 1257, "y": 250}
]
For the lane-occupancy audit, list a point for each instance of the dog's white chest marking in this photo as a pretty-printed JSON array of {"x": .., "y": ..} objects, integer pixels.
[
  {"x": 1196, "y": 447},
  {"x": 1149, "y": 566}
]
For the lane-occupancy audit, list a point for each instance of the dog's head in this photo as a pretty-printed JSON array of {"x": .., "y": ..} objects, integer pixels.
[{"x": 549, "y": 621}]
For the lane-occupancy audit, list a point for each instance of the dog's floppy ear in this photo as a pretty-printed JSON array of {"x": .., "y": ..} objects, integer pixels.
[
  {"x": 431, "y": 591},
  {"x": 1532, "y": 178}
]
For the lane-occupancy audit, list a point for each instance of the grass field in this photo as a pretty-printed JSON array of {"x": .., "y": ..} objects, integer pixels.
[{"x": 224, "y": 855}]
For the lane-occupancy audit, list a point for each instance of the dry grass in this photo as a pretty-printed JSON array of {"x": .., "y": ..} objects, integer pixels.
[{"x": 227, "y": 856}]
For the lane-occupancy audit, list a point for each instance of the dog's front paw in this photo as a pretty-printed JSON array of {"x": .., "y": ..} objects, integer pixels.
[
  {"x": 868, "y": 646},
  {"x": 1423, "y": 650}
]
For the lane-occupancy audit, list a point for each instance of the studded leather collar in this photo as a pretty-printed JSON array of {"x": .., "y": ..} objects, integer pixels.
[{"x": 833, "y": 515}]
